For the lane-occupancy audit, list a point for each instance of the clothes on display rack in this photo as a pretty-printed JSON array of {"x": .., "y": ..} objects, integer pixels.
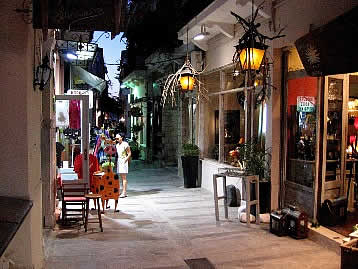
[{"x": 75, "y": 114}]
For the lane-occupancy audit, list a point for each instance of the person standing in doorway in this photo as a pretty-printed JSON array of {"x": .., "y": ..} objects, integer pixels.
[{"x": 124, "y": 154}]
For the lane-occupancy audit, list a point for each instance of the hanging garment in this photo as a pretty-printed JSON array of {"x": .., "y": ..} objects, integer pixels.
[
  {"x": 93, "y": 167},
  {"x": 75, "y": 114}
]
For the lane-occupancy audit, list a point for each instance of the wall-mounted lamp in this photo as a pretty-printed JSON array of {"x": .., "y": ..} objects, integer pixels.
[
  {"x": 42, "y": 75},
  {"x": 203, "y": 33}
]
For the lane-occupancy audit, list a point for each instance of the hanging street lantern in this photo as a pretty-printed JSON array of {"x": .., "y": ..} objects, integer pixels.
[
  {"x": 42, "y": 74},
  {"x": 250, "y": 58},
  {"x": 251, "y": 48},
  {"x": 187, "y": 80}
]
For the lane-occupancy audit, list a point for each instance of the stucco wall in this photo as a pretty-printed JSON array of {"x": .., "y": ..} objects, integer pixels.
[
  {"x": 20, "y": 118},
  {"x": 297, "y": 15}
]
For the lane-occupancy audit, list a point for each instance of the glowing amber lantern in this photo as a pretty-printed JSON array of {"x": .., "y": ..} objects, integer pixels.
[
  {"x": 187, "y": 83},
  {"x": 187, "y": 79},
  {"x": 251, "y": 58}
]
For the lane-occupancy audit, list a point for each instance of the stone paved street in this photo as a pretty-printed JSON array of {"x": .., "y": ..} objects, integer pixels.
[{"x": 161, "y": 224}]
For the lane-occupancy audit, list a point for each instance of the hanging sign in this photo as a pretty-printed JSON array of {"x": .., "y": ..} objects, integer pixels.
[
  {"x": 306, "y": 104},
  {"x": 331, "y": 49},
  {"x": 80, "y": 15},
  {"x": 82, "y": 92}
]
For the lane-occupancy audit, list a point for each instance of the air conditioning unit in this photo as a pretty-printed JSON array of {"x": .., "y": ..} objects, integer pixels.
[{"x": 196, "y": 59}]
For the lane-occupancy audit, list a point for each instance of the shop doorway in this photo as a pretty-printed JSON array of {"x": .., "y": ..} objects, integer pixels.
[
  {"x": 72, "y": 136},
  {"x": 340, "y": 158},
  {"x": 334, "y": 142}
]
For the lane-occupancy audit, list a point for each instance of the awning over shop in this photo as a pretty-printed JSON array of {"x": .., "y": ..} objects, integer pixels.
[
  {"x": 331, "y": 49},
  {"x": 90, "y": 79}
]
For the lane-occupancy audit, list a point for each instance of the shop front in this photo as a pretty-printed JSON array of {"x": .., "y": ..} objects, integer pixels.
[
  {"x": 320, "y": 149},
  {"x": 320, "y": 104}
]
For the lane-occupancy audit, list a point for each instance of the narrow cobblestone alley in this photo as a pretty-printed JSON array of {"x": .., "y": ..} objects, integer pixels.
[{"x": 161, "y": 224}]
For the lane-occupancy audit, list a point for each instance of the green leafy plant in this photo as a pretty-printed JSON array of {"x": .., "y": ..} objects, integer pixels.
[
  {"x": 355, "y": 228},
  {"x": 256, "y": 160},
  {"x": 190, "y": 150},
  {"x": 134, "y": 146},
  {"x": 105, "y": 164}
]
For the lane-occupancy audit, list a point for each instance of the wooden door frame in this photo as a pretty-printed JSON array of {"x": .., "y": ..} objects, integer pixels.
[{"x": 345, "y": 93}]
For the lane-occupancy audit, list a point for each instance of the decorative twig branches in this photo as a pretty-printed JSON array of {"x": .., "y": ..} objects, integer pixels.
[
  {"x": 172, "y": 83},
  {"x": 250, "y": 28},
  {"x": 250, "y": 54}
]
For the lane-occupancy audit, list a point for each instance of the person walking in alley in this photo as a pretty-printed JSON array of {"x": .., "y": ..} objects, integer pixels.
[{"x": 124, "y": 155}]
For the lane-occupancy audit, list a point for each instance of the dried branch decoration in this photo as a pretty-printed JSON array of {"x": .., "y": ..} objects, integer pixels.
[{"x": 172, "y": 83}]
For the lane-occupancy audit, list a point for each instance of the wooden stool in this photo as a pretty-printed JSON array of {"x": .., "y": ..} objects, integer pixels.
[
  {"x": 248, "y": 180},
  {"x": 95, "y": 198},
  {"x": 217, "y": 198}
]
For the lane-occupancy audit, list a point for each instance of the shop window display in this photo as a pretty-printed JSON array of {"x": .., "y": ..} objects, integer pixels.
[{"x": 301, "y": 130}]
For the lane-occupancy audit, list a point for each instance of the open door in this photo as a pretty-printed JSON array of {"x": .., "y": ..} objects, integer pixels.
[
  {"x": 72, "y": 136},
  {"x": 334, "y": 136}
]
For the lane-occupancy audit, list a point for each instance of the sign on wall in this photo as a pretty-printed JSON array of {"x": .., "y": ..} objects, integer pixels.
[
  {"x": 82, "y": 92},
  {"x": 306, "y": 104}
]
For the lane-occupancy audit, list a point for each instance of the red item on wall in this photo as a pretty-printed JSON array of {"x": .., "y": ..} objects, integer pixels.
[
  {"x": 356, "y": 123},
  {"x": 75, "y": 114},
  {"x": 352, "y": 139}
]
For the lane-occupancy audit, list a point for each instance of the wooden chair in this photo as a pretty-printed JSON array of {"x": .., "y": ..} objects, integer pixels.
[{"x": 73, "y": 201}]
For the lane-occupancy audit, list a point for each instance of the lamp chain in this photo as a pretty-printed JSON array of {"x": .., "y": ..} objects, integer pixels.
[{"x": 187, "y": 44}]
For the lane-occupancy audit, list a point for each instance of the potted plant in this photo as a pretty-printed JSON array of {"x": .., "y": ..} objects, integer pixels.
[
  {"x": 190, "y": 164},
  {"x": 255, "y": 160}
]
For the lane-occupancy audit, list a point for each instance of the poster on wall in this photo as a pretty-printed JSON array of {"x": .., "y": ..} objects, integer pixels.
[
  {"x": 306, "y": 104},
  {"x": 62, "y": 113}
]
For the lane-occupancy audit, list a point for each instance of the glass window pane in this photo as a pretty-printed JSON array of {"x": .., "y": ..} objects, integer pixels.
[
  {"x": 68, "y": 139},
  {"x": 234, "y": 123},
  {"x": 210, "y": 120},
  {"x": 334, "y": 128},
  {"x": 301, "y": 130}
]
